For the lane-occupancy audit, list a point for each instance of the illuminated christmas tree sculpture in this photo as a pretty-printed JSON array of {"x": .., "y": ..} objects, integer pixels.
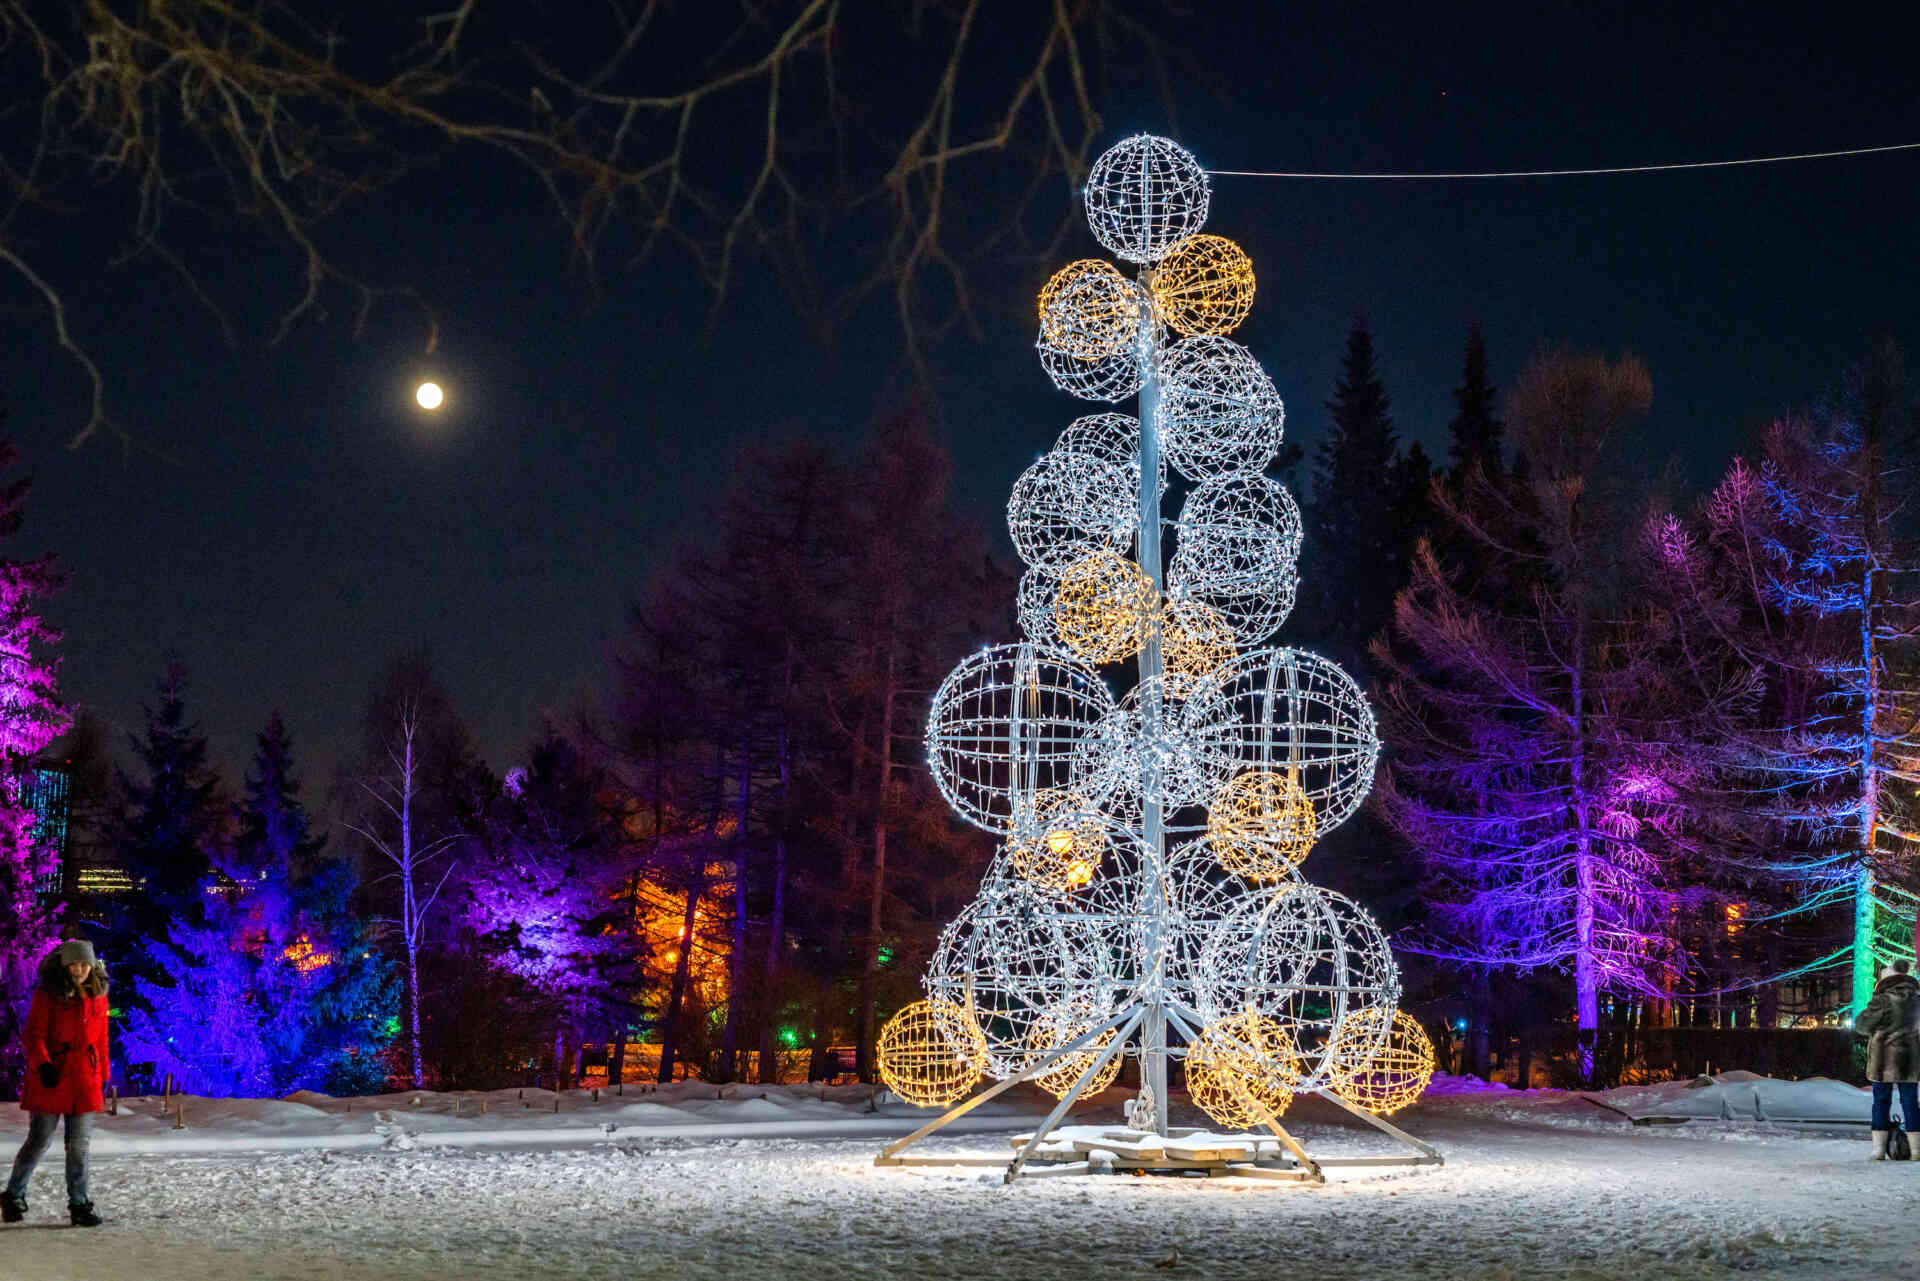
[{"x": 1145, "y": 900}]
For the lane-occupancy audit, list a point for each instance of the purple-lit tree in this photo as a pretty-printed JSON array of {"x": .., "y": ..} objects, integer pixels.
[
  {"x": 542, "y": 894},
  {"x": 1530, "y": 724},
  {"x": 30, "y": 717}
]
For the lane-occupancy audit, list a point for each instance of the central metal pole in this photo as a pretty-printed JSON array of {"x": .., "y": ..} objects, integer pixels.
[{"x": 1153, "y": 1025}]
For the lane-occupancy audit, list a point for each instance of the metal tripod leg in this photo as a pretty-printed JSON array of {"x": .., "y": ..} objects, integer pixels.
[
  {"x": 887, "y": 1154},
  {"x": 1060, "y": 1109}
]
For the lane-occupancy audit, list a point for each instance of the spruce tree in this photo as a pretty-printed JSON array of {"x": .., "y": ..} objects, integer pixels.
[
  {"x": 166, "y": 831},
  {"x": 30, "y": 717},
  {"x": 330, "y": 993},
  {"x": 1476, "y": 436},
  {"x": 1356, "y": 547}
]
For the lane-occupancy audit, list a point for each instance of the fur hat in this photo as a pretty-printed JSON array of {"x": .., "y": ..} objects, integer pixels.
[
  {"x": 1898, "y": 967},
  {"x": 76, "y": 952}
]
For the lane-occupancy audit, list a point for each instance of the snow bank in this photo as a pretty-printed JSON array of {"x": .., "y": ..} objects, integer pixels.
[{"x": 190, "y": 1124}]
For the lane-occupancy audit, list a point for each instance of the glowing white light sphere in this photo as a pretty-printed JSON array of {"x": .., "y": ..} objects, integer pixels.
[
  {"x": 1034, "y": 602},
  {"x": 1113, "y": 437},
  {"x": 1017, "y": 958},
  {"x": 1203, "y": 899},
  {"x": 1068, "y": 506},
  {"x": 1307, "y": 958},
  {"x": 1219, "y": 412},
  {"x": 1110, "y": 377},
  {"x": 1145, "y": 195},
  {"x": 1008, "y": 722},
  {"x": 1236, "y": 550},
  {"x": 429, "y": 395},
  {"x": 1293, "y": 713},
  {"x": 1123, "y": 764}
]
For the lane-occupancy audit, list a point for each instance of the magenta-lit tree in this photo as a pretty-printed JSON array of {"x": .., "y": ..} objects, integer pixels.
[
  {"x": 541, "y": 893},
  {"x": 1530, "y": 722},
  {"x": 31, "y": 717}
]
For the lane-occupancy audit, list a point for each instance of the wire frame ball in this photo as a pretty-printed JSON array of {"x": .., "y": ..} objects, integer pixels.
[
  {"x": 1242, "y": 1071},
  {"x": 1309, "y": 959},
  {"x": 930, "y": 1053},
  {"x": 1204, "y": 286},
  {"x": 1016, "y": 958},
  {"x": 1059, "y": 841},
  {"x": 1237, "y": 550},
  {"x": 1105, "y": 608},
  {"x": 1124, "y": 765},
  {"x": 1194, "y": 642},
  {"x": 1290, "y": 712},
  {"x": 1112, "y": 377},
  {"x": 1261, "y": 825},
  {"x": 1219, "y": 412},
  {"x": 1089, "y": 310},
  {"x": 1144, "y": 195},
  {"x": 1203, "y": 899},
  {"x": 1066, "y": 506},
  {"x": 1033, "y": 605},
  {"x": 1383, "y": 1059},
  {"x": 1113, "y": 437},
  {"x": 1062, "y": 1027},
  {"x": 1008, "y": 722}
]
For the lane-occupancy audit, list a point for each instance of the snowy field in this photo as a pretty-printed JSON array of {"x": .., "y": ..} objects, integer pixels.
[{"x": 1536, "y": 1184}]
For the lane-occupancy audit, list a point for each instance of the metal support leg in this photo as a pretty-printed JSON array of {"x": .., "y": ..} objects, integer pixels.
[
  {"x": 1060, "y": 1109},
  {"x": 888, "y": 1153}
]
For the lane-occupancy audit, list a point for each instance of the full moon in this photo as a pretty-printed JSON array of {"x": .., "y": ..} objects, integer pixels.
[{"x": 429, "y": 395}]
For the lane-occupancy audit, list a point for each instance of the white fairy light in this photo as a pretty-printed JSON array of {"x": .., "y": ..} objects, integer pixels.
[
  {"x": 1087, "y": 920},
  {"x": 1306, "y": 958},
  {"x": 1144, "y": 196},
  {"x": 1219, "y": 412},
  {"x": 1293, "y": 713},
  {"x": 1066, "y": 507},
  {"x": 1007, "y": 722},
  {"x": 1111, "y": 377}
]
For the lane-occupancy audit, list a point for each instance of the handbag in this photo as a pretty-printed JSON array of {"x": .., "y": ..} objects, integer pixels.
[{"x": 1898, "y": 1146}]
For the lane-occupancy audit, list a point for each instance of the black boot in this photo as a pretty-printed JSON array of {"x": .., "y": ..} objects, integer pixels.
[
  {"x": 12, "y": 1208},
  {"x": 82, "y": 1215}
]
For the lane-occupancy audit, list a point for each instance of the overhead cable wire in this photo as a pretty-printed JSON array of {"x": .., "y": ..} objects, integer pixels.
[{"x": 1574, "y": 173}]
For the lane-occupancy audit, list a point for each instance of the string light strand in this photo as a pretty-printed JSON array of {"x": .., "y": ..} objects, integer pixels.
[{"x": 1577, "y": 173}]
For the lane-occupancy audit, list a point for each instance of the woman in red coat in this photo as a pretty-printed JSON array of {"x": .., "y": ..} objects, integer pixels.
[{"x": 66, "y": 1073}]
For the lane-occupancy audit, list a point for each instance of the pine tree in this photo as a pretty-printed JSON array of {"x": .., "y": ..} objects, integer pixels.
[
  {"x": 166, "y": 834},
  {"x": 31, "y": 717},
  {"x": 329, "y": 993},
  {"x": 1476, "y": 436},
  {"x": 1356, "y": 549}
]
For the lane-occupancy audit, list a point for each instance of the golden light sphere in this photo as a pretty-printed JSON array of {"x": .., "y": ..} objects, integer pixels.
[
  {"x": 1089, "y": 310},
  {"x": 1383, "y": 1059},
  {"x": 1058, "y": 840},
  {"x": 931, "y": 1053},
  {"x": 429, "y": 395},
  {"x": 1194, "y": 640},
  {"x": 1205, "y": 286},
  {"x": 1261, "y": 825},
  {"x": 1242, "y": 1071},
  {"x": 1105, "y": 607},
  {"x": 1059, "y": 1028}
]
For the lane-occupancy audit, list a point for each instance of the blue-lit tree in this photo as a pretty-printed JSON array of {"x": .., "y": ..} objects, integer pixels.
[
  {"x": 278, "y": 985},
  {"x": 1806, "y": 568}
]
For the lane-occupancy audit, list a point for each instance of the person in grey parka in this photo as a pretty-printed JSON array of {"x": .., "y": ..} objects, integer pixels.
[{"x": 1891, "y": 1024}]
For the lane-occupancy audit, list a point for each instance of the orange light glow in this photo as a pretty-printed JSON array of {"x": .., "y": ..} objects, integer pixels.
[{"x": 300, "y": 952}]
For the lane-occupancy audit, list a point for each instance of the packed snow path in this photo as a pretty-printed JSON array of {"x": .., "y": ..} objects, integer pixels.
[{"x": 1532, "y": 1187}]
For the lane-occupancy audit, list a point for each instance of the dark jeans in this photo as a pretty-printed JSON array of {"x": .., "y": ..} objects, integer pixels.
[
  {"x": 1909, "y": 1105},
  {"x": 40, "y": 1133}
]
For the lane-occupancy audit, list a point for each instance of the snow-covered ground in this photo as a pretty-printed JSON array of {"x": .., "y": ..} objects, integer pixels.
[{"x": 1537, "y": 1183}]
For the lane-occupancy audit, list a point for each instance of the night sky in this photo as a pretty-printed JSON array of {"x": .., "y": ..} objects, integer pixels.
[{"x": 288, "y": 521}]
